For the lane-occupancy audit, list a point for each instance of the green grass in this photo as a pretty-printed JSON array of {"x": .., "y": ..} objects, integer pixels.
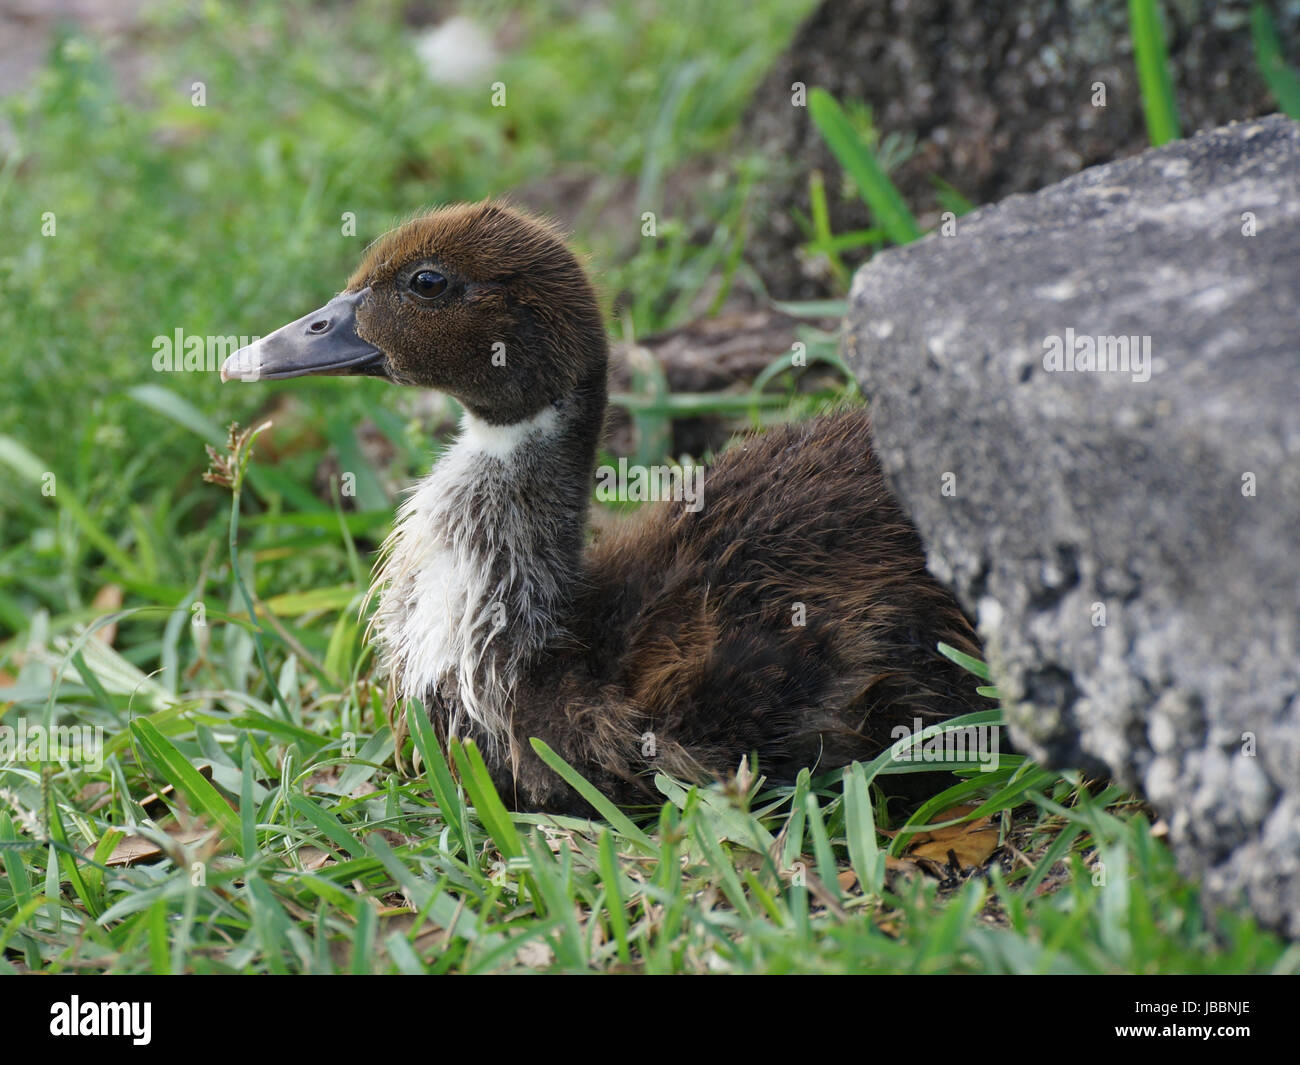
[
  {"x": 881, "y": 195},
  {"x": 288, "y": 841},
  {"x": 1282, "y": 81},
  {"x": 282, "y": 818},
  {"x": 1154, "y": 79}
]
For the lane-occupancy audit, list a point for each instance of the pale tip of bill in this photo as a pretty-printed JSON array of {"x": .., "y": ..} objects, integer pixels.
[{"x": 243, "y": 364}]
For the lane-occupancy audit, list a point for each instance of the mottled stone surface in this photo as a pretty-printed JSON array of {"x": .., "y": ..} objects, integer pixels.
[
  {"x": 998, "y": 98},
  {"x": 1130, "y": 546}
]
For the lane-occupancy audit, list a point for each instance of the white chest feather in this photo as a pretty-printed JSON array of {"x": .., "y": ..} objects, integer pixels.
[{"x": 461, "y": 608}]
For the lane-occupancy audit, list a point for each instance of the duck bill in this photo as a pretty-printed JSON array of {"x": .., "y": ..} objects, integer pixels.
[{"x": 324, "y": 342}]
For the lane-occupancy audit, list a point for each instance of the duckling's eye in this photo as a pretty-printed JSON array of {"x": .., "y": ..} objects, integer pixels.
[{"x": 428, "y": 283}]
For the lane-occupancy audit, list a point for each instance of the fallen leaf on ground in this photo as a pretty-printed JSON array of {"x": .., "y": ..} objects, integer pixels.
[
  {"x": 972, "y": 842},
  {"x": 132, "y": 849},
  {"x": 535, "y": 955},
  {"x": 107, "y": 600}
]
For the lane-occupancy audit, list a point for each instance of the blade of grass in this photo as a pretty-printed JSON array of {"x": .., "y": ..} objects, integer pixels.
[
  {"x": 1280, "y": 78},
  {"x": 15, "y": 870},
  {"x": 794, "y": 827},
  {"x": 159, "y": 947},
  {"x": 492, "y": 812},
  {"x": 971, "y": 665},
  {"x": 609, "y": 875},
  {"x": 880, "y": 194},
  {"x": 270, "y": 924},
  {"x": 823, "y": 239},
  {"x": 329, "y": 825},
  {"x": 591, "y": 793},
  {"x": 178, "y": 772},
  {"x": 822, "y": 852},
  {"x": 247, "y": 807},
  {"x": 1058, "y": 849},
  {"x": 438, "y": 773},
  {"x": 812, "y": 308},
  {"x": 68, "y": 860},
  {"x": 860, "y": 828},
  {"x": 1154, "y": 79},
  {"x": 723, "y": 869}
]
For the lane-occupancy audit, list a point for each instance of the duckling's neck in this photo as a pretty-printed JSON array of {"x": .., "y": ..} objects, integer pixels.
[{"x": 480, "y": 569}]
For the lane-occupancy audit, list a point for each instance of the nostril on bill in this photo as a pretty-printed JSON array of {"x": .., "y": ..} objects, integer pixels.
[{"x": 319, "y": 326}]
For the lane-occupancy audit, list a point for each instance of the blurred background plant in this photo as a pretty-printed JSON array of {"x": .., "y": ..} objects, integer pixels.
[
  {"x": 197, "y": 169},
  {"x": 225, "y": 218}
]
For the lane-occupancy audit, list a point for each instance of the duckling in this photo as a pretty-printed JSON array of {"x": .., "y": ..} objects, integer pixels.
[{"x": 791, "y": 615}]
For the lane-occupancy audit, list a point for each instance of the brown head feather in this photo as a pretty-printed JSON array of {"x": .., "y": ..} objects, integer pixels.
[{"x": 517, "y": 328}]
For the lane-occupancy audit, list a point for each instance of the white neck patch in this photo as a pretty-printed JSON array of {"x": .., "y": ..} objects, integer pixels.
[
  {"x": 500, "y": 441},
  {"x": 470, "y": 583}
]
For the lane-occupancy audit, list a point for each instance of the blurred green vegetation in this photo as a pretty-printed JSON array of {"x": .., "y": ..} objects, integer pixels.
[
  {"x": 329, "y": 851},
  {"x": 226, "y": 219}
]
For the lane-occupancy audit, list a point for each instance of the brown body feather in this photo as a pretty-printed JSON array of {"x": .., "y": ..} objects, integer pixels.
[{"x": 688, "y": 653}]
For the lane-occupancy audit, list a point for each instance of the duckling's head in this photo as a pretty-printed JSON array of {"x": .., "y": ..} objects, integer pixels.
[{"x": 480, "y": 301}]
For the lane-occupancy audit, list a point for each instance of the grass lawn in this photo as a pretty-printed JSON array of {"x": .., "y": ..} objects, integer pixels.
[{"x": 258, "y": 806}]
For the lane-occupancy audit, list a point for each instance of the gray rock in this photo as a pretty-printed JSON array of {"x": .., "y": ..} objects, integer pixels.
[
  {"x": 1130, "y": 547},
  {"x": 997, "y": 98}
]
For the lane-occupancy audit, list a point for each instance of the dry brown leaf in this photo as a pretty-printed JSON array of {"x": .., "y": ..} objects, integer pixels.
[
  {"x": 107, "y": 600},
  {"x": 325, "y": 777},
  {"x": 314, "y": 858},
  {"x": 392, "y": 837},
  {"x": 131, "y": 849},
  {"x": 154, "y": 798},
  {"x": 97, "y": 790},
  {"x": 972, "y": 842},
  {"x": 744, "y": 778},
  {"x": 535, "y": 954}
]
